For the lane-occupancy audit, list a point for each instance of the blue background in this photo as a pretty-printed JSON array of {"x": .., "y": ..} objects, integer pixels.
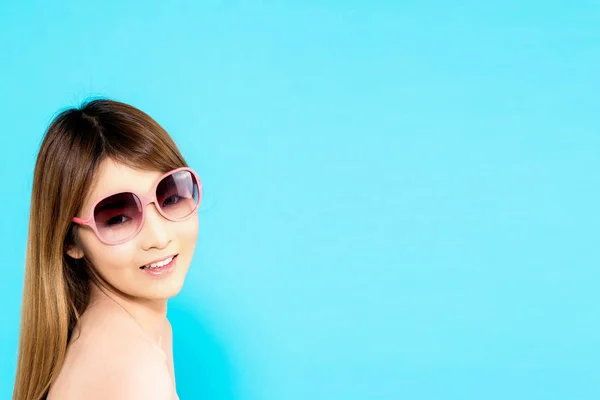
[{"x": 401, "y": 198}]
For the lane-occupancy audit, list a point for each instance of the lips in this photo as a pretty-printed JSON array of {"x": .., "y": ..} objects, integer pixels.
[{"x": 161, "y": 272}]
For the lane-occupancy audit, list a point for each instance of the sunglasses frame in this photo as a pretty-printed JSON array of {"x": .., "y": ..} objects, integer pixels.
[{"x": 145, "y": 199}]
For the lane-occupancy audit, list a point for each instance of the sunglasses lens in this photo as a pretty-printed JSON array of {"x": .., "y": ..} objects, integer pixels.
[
  {"x": 178, "y": 195},
  {"x": 117, "y": 217}
]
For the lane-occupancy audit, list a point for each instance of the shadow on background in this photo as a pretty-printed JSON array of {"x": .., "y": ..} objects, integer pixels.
[{"x": 202, "y": 366}]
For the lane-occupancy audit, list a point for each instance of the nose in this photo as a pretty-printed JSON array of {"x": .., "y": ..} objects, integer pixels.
[{"x": 154, "y": 233}]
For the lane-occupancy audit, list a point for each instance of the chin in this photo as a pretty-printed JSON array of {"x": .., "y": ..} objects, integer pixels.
[{"x": 163, "y": 293}]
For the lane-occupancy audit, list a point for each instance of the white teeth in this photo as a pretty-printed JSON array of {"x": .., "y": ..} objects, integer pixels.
[{"x": 159, "y": 263}]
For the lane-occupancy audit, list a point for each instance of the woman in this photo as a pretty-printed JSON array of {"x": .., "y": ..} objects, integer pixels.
[{"x": 113, "y": 227}]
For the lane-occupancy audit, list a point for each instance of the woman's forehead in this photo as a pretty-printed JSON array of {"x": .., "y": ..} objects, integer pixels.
[{"x": 112, "y": 177}]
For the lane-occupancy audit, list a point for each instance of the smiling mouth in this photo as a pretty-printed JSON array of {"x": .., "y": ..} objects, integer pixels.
[{"x": 159, "y": 264}]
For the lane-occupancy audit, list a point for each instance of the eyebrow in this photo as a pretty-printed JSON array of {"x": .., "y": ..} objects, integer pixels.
[
  {"x": 110, "y": 205},
  {"x": 170, "y": 183}
]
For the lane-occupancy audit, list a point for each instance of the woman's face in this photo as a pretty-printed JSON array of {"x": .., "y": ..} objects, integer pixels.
[{"x": 158, "y": 239}]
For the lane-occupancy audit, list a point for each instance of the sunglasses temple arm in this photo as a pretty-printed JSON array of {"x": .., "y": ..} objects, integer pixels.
[{"x": 81, "y": 221}]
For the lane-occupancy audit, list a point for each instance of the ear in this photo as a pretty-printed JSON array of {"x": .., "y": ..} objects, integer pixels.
[{"x": 75, "y": 252}]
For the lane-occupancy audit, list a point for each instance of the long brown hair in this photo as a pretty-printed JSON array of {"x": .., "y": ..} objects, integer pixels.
[{"x": 56, "y": 288}]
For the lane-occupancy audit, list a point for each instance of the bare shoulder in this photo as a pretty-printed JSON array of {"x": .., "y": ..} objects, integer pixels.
[
  {"x": 127, "y": 378},
  {"x": 110, "y": 360}
]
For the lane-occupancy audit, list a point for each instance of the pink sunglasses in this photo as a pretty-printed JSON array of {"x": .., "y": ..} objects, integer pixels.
[{"x": 119, "y": 217}]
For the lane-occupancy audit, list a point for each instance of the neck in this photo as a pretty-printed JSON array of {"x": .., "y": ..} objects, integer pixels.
[{"x": 149, "y": 314}]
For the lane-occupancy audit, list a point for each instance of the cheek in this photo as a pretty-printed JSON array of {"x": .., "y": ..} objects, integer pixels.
[
  {"x": 106, "y": 259},
  {"x": 191, "y": 228},
  {"x": 186, "y": 231},
  {"x": 187, "y": 235}
]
